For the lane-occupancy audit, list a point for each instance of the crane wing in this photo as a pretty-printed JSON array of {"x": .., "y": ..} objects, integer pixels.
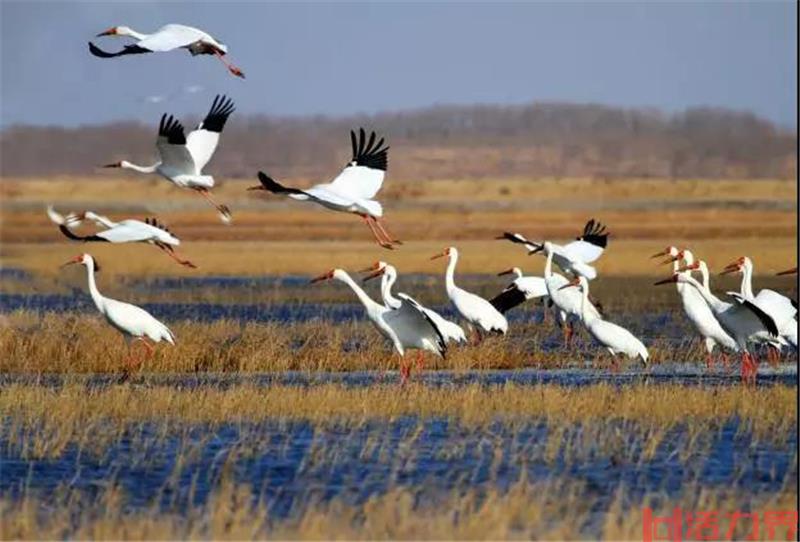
[
  {"x": 590, "y": 245},
  {"x": 412, "y": 311},
  {"x": 521, "y": 240},
  {"x": 363, "y": 176},
  {"x": 171, "y": 144},
  {"x": 172, "y": 36},
  {"x": 765, "y": 318},
  {"x": 202, "y": 142},
  {"x": 127, "y": 50}
]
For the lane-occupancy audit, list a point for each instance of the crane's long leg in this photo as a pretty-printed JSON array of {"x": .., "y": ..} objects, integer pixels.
[
  {"x": 221, "y": 209},
  {"x": 385, "y": 231},
  {"x": 171, "y": 253},
  {"x": 378, "y": 239},
  {"x": 231, "y": 68},
  {"x": 420, "y": 360},
  {"x": 405, "y": 371}
]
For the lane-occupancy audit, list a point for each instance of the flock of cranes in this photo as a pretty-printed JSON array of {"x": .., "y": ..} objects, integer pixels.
[{"x": 734, "y": 326}]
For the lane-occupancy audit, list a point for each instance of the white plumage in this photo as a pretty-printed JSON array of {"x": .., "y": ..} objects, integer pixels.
[
  {"x": 126, "y": 231},
  {"x": 695, "y": 307},
  {"x": 473, "y": 308},
  {"x": 353, "y": 190},
  {"x": 616, "y": 339},
  {"x": 742, "y": 319},
  {"x": 167, "y": 38},
  {"x": 182, "y": 158},
  {"x": 778, "y": 306},
  {"x": 450, "y": 331},
  {"x": 569, "y": 302},
  {"x": 135, "y": 323},
  {"x": 574, "y": 257},
  {"x": 406, "y": 327},
  {"x": 520, "y": 290}
]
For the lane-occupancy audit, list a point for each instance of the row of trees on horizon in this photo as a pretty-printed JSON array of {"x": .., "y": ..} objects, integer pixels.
[{"x": 536, "y": 140}]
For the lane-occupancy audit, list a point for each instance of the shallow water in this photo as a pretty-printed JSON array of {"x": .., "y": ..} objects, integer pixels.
[{"x": 293, "y": 463}]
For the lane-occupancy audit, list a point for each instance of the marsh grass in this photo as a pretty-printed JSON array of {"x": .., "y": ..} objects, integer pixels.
[
  {"x": 527, "y": 510},
  {"x": 42, "y": 421}
]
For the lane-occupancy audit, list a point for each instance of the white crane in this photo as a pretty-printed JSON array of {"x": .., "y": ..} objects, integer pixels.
[
  {"x": 520, "y": 290},
  {"x": 575, "y": 256},
  {"x": 182, "y": 158},
  {"x": 352, "y": 190},
  {"x": 742, "y": 319},
  {"x": 569, "y": 302},
  {"x": 616, "y": 339},
  {"x": 451, "y": 332},
  {"x": 167, "y": 38},
  {"x": 778, "y": 306},
  {"x": 150, "y": 231},
  {"x": 480, "y": 314},
  {"x": 406, "y": 327},
  {"x": 135, "y": 323},
  {"x": 695, "y": 307}
]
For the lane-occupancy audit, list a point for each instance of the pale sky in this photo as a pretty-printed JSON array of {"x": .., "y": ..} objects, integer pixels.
[{"x": 342, "y": 58}]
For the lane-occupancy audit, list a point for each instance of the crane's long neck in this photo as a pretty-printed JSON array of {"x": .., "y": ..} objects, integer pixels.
[
  {"x": 365, "y": 299},
  {"x": 450, "y": 282},
  {"x": 128, "y": 31},
  {"x": 548, "y": 265},
  {"x": 140, "y": 169},
  {"x": 388, "y": 280},
  {"x": 716, "y": 304},
  {"x": 97, "y": 297},
  {"x": 585, "y": 314},
  {"x": 747, "y": 282}
]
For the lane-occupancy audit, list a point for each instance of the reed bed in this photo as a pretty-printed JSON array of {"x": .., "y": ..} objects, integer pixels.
[
  {"x": 527, "y": 510},
  {"x": 31, "y": 342},
  {"x": 70, "y": 408}
]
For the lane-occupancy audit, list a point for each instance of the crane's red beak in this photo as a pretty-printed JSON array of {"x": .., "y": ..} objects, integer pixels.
[
  {"x": 792, "y": 271},
  {"x": 376, "y": 274},
  {"x": 695, "y": 265},
  {"x": 670, "y": 280},
  {"x": 374, "y": 267},
  {"x": 76, "y": 259},
  {"x": 664, "y": 252},
  {"x": 731, "y": 268},
  {"x": 110, "y": 32},
  {"x": 445, "y": 252},
  {"x": 506, "y": 272},
  {"x": 324, "y": 276},
  {"x": 574, "y": 282}
]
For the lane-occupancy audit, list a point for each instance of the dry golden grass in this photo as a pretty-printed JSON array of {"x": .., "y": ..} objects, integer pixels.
[
  {"x": 527, "y": 510},
  {"x": 63, "y": 343},
  {"x": 70, "y": 410}
]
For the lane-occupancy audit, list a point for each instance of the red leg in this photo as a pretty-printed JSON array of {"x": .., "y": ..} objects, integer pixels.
[
  {"x": 171, "y": 253},
  {"x": 709, "y": 361},
  {"x": 378, "y": 239},
  {"x": 231, "y": 68},
  {"x": 570, "y": 332},
  {"x": 221, "y": 209},
  {"x": 420, "y": 360},
  {"x": 381, "y": 224}
]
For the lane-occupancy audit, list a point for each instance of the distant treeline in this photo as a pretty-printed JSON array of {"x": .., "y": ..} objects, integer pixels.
[{"x": 548, "y": 139}]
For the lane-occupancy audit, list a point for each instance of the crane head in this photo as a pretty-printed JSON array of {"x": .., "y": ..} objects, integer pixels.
[
  {"x": 374, "y": 267},
  {"x": 445, "y": 252},
  {"x": 375, "y": 274},
  {"x": 691, "y": 267},
  {"x": 328, "y": 275},
  {"x": 113, "y": 31},
  {"x": 574, "y": 282},
  {"x": 83, "y": 259},
  {"x": 513, "y": 271},
  {"x": 669, "y": 251},
  {"x": 735, "y": 266}
]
